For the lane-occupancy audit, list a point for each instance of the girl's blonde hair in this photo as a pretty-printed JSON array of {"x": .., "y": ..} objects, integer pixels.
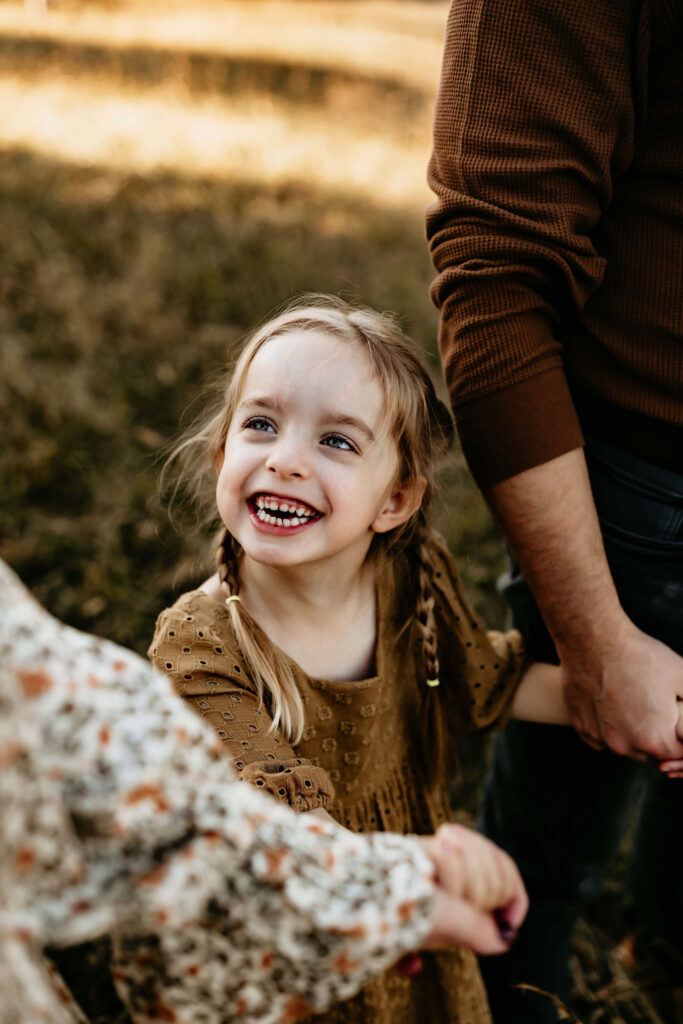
[{"x": 422, "y": 429}]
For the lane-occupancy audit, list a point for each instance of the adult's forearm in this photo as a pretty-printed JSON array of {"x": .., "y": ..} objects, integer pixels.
[
  {"x": 548, "y": 517},
  {"x": 622, "y": 686}
]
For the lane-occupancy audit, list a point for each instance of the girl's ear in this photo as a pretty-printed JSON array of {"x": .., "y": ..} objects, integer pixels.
[
  {"x": 219, "y": 460},
  {"x": 402, "y": 503}
]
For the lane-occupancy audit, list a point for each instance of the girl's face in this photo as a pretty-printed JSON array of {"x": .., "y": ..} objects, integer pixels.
[{"x": 308, "y": 469}]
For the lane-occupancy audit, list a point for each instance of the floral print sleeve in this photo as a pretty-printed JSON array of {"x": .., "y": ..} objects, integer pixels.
[{"x": 120, "y": 816}]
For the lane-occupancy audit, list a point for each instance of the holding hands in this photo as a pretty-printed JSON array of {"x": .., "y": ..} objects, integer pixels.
[
  {"x": 629, "y": 697},
  {"x": 480, "y": 898}
]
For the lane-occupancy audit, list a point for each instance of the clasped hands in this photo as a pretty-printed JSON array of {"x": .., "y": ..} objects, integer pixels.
[
  {"x": 480, "y": 900},
  {"x": 628, "y": 697}
]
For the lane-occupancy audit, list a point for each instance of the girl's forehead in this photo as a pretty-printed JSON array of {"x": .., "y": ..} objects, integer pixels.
[
  {"x": 319, "y": 373},
  {"x": 300, "y": 358}
]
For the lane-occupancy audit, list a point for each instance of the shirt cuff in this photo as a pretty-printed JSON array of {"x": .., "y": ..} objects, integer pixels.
[{"x": 519, "y": 427}]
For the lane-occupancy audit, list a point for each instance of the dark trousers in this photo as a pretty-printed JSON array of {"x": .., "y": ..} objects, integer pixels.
[{"x": 561, "y": 808}]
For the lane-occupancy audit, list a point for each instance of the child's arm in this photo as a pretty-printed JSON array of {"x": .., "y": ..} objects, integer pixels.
[{"x": 539, "y": 697}]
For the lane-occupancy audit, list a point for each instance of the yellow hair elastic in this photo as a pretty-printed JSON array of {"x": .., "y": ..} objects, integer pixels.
[
  {"x": 233, "y": 597},
  {"x": 432, "y": 682}
]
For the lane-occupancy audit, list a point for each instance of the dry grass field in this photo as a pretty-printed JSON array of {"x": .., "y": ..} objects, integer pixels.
[{"x": 169, "y": 174}]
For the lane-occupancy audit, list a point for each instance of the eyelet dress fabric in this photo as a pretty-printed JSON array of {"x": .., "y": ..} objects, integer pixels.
[
  {"x": 119, "y": 816},
  {"x": 360, "y": 754}
]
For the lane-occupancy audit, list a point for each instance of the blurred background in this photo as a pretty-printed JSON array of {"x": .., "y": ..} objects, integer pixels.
[{"x": 169, "y": 174}]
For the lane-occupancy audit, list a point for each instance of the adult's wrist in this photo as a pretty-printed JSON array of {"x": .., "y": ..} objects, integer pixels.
[{"x": 587, "y": 645}]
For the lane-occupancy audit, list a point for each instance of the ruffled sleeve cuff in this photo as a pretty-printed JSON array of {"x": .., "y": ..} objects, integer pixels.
[{"x": 303, "y": 786}]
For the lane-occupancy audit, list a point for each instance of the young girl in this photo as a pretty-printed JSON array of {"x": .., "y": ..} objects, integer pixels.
[{"x": 334, "y": 652}]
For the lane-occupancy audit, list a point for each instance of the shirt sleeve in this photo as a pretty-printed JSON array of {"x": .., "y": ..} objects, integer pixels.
[
  {"x": 535, "y": 121},
  {"x": 480, "y": 669},
  {"x": 201, "y": 657},
  {"x": 119, "y": 815}
]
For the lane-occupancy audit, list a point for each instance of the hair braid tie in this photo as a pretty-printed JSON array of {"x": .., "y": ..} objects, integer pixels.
[{"x": 433, "y": 727}]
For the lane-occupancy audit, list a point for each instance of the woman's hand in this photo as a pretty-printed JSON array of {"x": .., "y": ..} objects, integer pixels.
[{"x": 480, "y": 898}]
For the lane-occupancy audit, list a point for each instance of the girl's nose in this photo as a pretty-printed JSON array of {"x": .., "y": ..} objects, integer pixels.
[{"x": 288, "y": 459}]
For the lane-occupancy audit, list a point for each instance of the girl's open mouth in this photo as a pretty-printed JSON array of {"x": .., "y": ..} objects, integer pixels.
[{"x": 272, "y": 511}]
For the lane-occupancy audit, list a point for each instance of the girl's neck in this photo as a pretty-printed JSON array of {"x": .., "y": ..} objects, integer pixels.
[
  {"x": 325, "y": 620},
  {"x": 309, "y": 588}
]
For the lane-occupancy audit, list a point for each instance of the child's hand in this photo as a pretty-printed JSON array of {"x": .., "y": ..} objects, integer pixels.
[
  {"x": 480, "y": 900},
  {"x": 674, "y": 769}
]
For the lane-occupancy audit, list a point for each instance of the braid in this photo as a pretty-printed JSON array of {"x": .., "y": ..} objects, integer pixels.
[
  {"x": 226, "y": 563},
  {"x": 433, "y": 726},
  {"x": 271, "y": 671},
  {"x": 424, "y": 606}
]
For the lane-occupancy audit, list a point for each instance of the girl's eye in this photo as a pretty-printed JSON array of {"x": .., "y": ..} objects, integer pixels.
[
  {"x": 258, "y": 423},
  {"x": 340, "y": 442}
]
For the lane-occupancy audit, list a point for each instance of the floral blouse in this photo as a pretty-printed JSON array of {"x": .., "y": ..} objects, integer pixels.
[{"x": 119, "y": 816}]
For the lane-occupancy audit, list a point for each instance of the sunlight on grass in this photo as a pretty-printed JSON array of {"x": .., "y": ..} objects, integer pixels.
[
  {"x": 104, "y": 89},
  {"x": 398, "y": 40},
  {"x": 249, "y": 137}
]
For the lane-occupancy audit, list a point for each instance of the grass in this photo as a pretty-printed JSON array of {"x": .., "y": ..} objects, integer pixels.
[{"x": 169, "y": 174}]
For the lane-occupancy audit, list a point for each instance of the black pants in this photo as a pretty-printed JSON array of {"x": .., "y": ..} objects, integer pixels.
[{"x": 561, "y": 808}]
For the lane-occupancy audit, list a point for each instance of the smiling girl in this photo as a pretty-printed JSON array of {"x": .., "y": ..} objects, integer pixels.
[{"x": 334, "y": 651}]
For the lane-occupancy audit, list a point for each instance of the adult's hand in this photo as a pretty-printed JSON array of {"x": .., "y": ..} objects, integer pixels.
[
  {"x": 480, "y": 899},
  {"x": 625, "y": 695},
  {"x": 621, "y": 685}
]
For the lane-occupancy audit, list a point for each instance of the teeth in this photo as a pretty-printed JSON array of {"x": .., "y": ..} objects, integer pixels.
[{"x": 300, "y": 513}]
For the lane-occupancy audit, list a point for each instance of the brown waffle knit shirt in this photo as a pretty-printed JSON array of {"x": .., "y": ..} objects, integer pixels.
[
  {"x": 557, "y": 233},
  {"x": 360, "y": 755}
]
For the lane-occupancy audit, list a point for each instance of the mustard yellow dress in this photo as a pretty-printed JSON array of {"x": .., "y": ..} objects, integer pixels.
[{"x": 360, "y": 756}]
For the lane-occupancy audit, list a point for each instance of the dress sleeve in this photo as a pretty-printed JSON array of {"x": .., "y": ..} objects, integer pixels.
[
  {"x": 535, "y": 122},
  {"x": 119, "y": 816},
  {"x": 200, "y": 655},
  {"x": 480, "y": 669}
]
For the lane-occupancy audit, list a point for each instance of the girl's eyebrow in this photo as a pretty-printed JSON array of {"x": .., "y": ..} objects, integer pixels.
[
  {"x": 341, "y": 419},
  {"x": 261, "y": 403}
]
